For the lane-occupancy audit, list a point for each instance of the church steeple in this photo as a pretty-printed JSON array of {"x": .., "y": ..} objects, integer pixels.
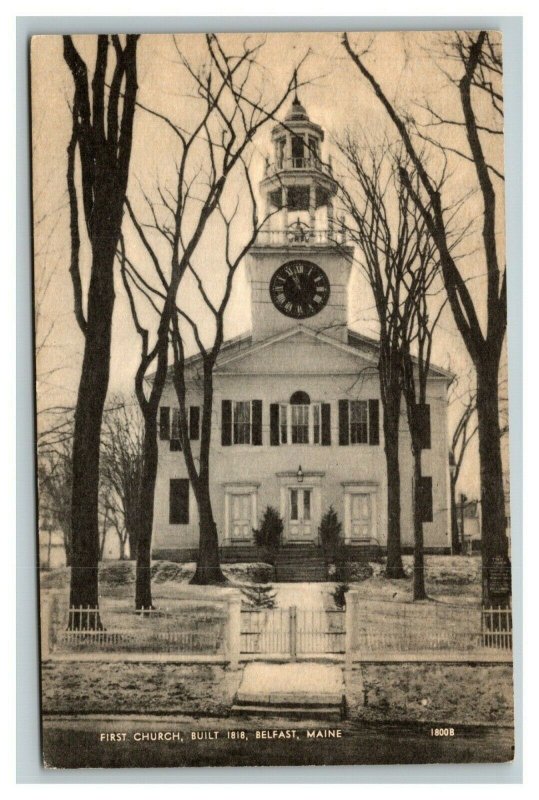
[
  {"x": 298, "y": 187},
  {"x": 300, "y": 265}
]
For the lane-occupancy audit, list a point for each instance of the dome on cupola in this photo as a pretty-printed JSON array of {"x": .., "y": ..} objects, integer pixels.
[{"x": 297, "y": 112}]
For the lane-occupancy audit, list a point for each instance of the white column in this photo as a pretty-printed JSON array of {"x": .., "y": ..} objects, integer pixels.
[
  {"x": 227, "y": 517},
  {"x": 351, "y": 621},
  {"x": 347, "y": 517},
  {"x": 330, "y": 216},
  {"x": 312, "y": 206},
  {"x": 284, "y": 208}
]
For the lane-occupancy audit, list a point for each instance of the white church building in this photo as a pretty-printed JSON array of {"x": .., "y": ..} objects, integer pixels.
[{"x": 297, "y": 419}]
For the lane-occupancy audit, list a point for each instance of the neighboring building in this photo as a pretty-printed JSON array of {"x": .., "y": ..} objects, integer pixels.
[{"x": 297, "y": 417}]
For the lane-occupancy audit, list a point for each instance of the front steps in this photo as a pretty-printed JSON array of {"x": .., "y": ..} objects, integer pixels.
[
  {"x": 303, "y": 690},
  {"x": 301, "y": 563}
]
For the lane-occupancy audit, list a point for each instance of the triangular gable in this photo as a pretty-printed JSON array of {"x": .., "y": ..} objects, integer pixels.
[{"x": 298, "y": 351}]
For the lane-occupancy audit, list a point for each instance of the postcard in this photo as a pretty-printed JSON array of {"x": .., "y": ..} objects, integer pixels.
[{"x": 271, "y": 399}]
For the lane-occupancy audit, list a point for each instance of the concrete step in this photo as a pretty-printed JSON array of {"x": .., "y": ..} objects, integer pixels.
[{"x": 320, "y": 712}]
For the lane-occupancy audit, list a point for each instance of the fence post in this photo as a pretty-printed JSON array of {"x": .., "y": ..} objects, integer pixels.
[
  {"x": 233, "y": 633},
  {"x": 293, "y": 623},
  {"x": 351, "y": 622}
]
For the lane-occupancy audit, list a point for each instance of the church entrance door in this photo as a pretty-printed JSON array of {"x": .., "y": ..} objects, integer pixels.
[{"x": 300, "y": 502}]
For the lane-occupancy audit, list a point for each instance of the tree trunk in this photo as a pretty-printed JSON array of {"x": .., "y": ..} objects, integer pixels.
[
  {"x": 394, "y": 568},
  {"x": 87, "y": 432},
  {"x": 456, "y": 544},
  {"x": 143, "y": 587},
  {"x": 419, "y": 555},
  {"x": 494, "y": 543},
  {"x": 208, "y": 567}
]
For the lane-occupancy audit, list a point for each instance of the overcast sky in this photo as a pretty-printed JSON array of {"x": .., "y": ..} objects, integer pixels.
[{"x": 335, "y": 97}]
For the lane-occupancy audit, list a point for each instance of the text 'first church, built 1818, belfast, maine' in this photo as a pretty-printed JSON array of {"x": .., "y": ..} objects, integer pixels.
[{"x": 297, "y": 422}]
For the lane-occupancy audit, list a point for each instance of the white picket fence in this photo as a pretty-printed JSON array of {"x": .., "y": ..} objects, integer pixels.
[{"x": 226, "y": 631}]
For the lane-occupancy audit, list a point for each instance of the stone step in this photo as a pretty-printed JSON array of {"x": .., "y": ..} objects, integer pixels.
[{"x": 320, "y": 712}]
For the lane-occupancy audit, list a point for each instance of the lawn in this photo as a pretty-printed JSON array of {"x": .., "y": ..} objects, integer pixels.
[{"x": 449, "y": 579}]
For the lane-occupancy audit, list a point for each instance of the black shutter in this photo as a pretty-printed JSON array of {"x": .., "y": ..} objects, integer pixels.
[
  {"x": 164, "y": 423},
  {"x": 425, "y": 499},
  {"x": 344, "y": 435},
  {"x": 194, "y": 422},
  {"x": 226, "y": 423},
  {"x": 423, "y": 425},
  {"x": 179, "y": 501},
  {"x": 274, "y": 423},
  {"x": 374, "y": 422},
  {"x": 326, "y": 424},
  {"x": 256, "y": 418}
]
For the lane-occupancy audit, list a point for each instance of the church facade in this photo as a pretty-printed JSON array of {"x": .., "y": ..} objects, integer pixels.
[{"x": 297, "y": 421}]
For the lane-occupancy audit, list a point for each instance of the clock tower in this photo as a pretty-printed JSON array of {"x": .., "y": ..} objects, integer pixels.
[{"x": 300, "y": 265}]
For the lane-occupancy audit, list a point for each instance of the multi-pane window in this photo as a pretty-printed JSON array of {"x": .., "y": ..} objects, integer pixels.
[
  {"x": 175, "y": 440},
  {"x": 316, "y": 424},
  {"x": 283, "y": 423},
  {"x": 300, "y": 424},
  {"x": 241, "y": 424},
  {"x": 359, "y": 422}
]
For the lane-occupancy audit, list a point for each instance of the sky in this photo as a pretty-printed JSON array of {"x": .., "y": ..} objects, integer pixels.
[{"x": 406, "y": 64}]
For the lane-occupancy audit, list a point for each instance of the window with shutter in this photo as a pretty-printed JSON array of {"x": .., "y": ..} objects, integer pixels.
[
  {"x": 194, "y": 422},
  {"x": 344, "y": 436},
  {"x": 425, "y": 498},
  {"x": 256, "y": 413},
  {"x": 283, "y": 423},
  {"x": 164, "y": 423},
  {"x": 359, "y": 422},
  {"x": 241, "y": 426},
  {"x": 423, "y": 425},
  {"x": 226, "y": 423},
  {"x": 179, "y": 501},
  {"x": 374, "y": 422},
  {"x": 274, "y": 424},
  {"x": 326, "y": 424}
]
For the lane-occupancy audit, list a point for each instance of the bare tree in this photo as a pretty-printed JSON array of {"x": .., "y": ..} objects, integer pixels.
[
  {"x": 122, "y": 465},
  {"x": 421, "y": 320},
  {"x": 208, "y": 568},
  {"x": 102, "y": 135},
  {"x": 54, "y": 479},
  {"x": 478, "y": 81},
  {"x": 380, "y": 225},
  {"x": 232, "y": 111},
  {"x": 463, "y": 433}
]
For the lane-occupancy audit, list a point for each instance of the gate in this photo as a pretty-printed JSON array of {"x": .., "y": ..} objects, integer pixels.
[{"x": 292, "y": 632}]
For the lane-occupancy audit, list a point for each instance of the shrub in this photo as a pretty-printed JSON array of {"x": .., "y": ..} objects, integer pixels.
[
  {"x": 259, "y": 596},
  {"x": 270, "y": 531},
  {"x": 330, "y": 533}
]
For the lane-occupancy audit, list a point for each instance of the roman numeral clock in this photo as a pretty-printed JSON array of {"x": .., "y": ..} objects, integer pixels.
[{"x": 299, "y": 289}]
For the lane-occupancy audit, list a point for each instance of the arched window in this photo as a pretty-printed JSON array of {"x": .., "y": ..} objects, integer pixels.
[{"x": 300, "y": 399}]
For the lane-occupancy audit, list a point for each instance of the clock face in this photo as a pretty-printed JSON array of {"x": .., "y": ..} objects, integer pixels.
[{"x": 299, "y": 289}]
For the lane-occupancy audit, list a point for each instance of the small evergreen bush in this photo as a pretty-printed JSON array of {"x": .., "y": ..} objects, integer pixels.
[
  {"x": 330, "y": 534},
  {"x": 270, "y": 531},
  {"x": 259, "y": 596}
]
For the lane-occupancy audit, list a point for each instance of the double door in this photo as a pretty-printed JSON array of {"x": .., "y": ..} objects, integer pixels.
[{"x": 300, "y": 514}]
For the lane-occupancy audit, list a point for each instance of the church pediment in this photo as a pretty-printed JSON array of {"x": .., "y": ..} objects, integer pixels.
[{"x": 298, "y": 351}]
